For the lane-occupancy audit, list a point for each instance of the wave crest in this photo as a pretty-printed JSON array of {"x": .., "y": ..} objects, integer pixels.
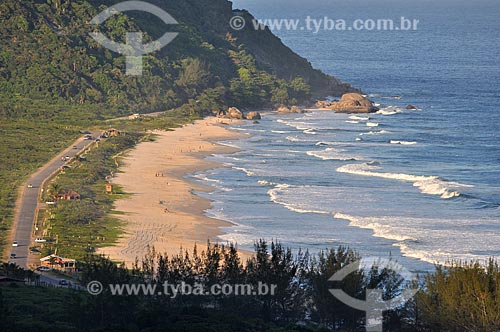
[
  {"x": 333, "y": 154},
  {"x": 431, "y": 185}
]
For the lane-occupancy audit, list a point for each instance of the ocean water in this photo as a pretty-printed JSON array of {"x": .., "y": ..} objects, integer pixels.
[{"x": 422, "y": 185}]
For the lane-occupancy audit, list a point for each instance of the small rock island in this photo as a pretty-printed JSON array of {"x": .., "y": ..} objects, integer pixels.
[{"x": 349, "y": 103}]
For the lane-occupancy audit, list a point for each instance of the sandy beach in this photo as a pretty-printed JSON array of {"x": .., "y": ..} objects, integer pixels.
[{"x": 162, "y": 211}]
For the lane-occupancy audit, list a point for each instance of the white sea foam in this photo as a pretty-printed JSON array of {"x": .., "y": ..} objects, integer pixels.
[
  {"x": 203, "y": 177},
  {"x": 359, "y": 118},
  {"x": 280, "y": 131},
  {"x": 431, "y": 185},
  {"x": 372, "y": 124},
  {"x": 294, "y": 139},
  {"x": 246, "y": 171},
  {"x": 379, "y": 229},
  {"x": 326, "y": 143},
  {"x": 333, "y": 154},
  {"x": 275, "y": 196},
  {"x": 390, "y": 110},
  {"x": 310, "y": 131},
  {"x": 383, "y": 112},
  {"x": 299, "y": 139},
  {"x": 380, "y": 132},
  {"x": 352, "y": 121},
  {"x": 237, "y": 234},
  {"x": 300, "y": 125},
  {"x": 266, "y": 183},
  {"x": 230, "y": 144},
  {"x": 423, "y": 239},
  {"x": 402, "y": 142}
]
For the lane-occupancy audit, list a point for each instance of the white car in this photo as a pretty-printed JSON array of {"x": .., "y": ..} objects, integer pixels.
[
  {"x": 43, "y": 269},
  {"x": 15, "y": 244},
  {"x": 40, "y": 240}
]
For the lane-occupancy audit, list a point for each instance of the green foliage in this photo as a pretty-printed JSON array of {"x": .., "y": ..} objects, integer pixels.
[
  {"x": 194, "y": 77},
  {"x": 82, "y": 225},
  {"x": 25, "y": 146},
  {"x": 37, "y": 309},
  {"x": 462, "y": 297},
  {"x": 47, "y": 55}
]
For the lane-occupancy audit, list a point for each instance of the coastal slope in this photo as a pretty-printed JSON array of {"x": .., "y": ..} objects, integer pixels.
[{"x": 48, "y": 57}]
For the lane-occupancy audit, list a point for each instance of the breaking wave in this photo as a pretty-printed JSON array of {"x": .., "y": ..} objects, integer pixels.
[
  {"x": 333, "y": 154},
  {"x": 431, "y": 185}
]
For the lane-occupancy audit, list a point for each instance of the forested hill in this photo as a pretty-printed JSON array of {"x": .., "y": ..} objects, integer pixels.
[{"x": 48, "y": 58}]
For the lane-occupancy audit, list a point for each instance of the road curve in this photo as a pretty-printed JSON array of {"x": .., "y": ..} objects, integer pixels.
[{"x": 27, "y": 202}]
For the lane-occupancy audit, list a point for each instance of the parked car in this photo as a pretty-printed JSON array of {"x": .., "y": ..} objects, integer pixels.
[
  {"x": 75, "y": 147},
  {"x": 63, "y": 282},
  {"x": 30, "y": 185},
  {"x": 43, "y": 269},
  {"x": 15, "y": 244},
  {"x": 13, "y": 256},
  {"x": 40, "y": 240}
]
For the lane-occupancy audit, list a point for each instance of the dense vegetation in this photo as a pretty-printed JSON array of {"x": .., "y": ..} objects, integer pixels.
[
  {"x": 56, "y": 80},
  {"x": 81, "y": 225},
  {"x": 47, "y": 55},
  {"x": 463, "y": 297}
]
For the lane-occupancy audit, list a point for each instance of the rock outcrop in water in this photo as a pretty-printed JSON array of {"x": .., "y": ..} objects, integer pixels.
[
  {"x": 411, "y": 107},
  {"x": 253, "y": 116},
  {"x": 286, "y": 110},
  {"x": 350, "y": 103},
  {"x": 234, "y": 113}
]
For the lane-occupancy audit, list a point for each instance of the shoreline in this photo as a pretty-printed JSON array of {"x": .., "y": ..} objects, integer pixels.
[{"x": 162, "y": 210}]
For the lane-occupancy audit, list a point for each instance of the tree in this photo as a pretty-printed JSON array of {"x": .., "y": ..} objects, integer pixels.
[
  {"x": 461, "y": 297},
  {"x": 194, "y": 76},
  {"x": 55, "y": 191}
]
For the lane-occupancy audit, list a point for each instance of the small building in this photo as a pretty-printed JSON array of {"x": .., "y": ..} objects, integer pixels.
[
  {"x": 59, "y": 263},
  {"x": 113, "y": 132},
  {"x": 109, "y": 188},
  {"x": 134, "y": 116},
  {"x": 70, "y": 195}
]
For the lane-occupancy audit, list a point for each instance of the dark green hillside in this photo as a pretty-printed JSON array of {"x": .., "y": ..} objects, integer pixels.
[{"x": 47, "y": 57}]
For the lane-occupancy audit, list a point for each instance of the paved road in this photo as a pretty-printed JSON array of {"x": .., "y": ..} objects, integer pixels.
[
  {"x": 24, "y": 219},
  {"x": 48, "y": 279}
]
